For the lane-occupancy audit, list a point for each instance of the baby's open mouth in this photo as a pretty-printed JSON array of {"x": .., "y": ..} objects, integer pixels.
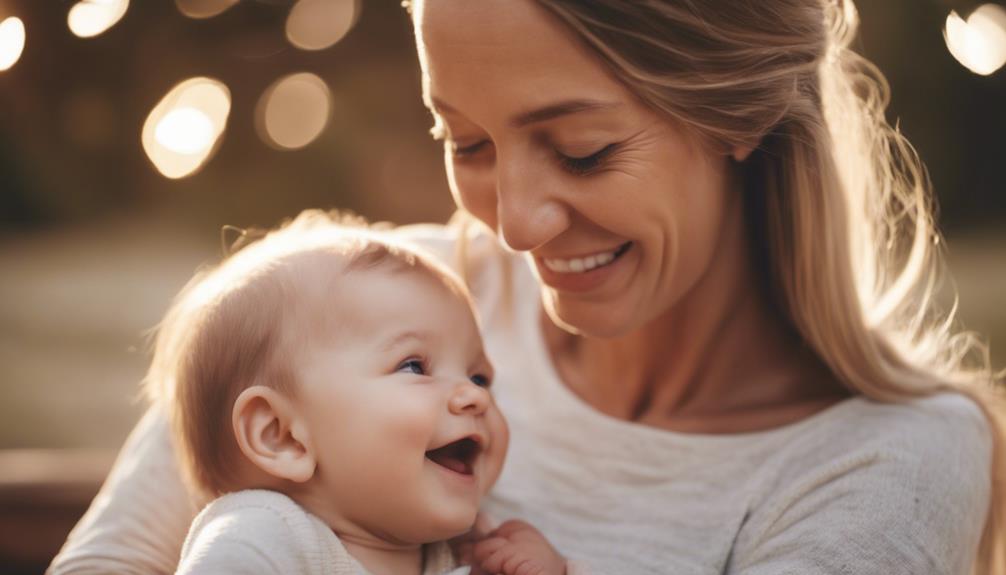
[{"x": 458, "y": 456}]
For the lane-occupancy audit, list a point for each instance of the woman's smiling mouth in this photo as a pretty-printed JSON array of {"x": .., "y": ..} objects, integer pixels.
[
  {"x": 585, "y": 264},
  {"x": 581, "y": 274}
]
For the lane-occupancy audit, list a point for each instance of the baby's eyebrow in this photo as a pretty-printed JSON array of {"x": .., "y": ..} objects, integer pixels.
[{"x": 402, "y": 338}]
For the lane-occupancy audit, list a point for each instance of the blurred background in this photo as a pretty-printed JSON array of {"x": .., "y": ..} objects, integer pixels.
[{"x": 130, "y": 132}]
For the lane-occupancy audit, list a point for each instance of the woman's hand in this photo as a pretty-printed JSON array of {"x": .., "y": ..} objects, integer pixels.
[{"x": 516, "y": 548}]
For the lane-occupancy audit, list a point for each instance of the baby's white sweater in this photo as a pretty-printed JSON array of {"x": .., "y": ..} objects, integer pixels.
[
  {"x": 258, "y": 532},
  {"x": 860, "y": 488}
]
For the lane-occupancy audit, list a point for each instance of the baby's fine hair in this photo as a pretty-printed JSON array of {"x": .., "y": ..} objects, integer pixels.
[{"x": 224, "y": 332}]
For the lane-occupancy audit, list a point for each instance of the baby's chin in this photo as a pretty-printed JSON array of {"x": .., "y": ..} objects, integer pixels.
[{"x": 444, "y": 526}]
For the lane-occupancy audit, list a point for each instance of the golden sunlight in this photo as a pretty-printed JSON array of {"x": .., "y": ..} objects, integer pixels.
[
  {"x": 183, "y": 130},
  {"x": 12, "y": 38},
  {"x": 979, "y": 43},
  {"x": 200, "y": 9},
  {"x": 293, "y": 111},
  {"x": 319, "y": 24},
  {"x": 89, "y": 18}
]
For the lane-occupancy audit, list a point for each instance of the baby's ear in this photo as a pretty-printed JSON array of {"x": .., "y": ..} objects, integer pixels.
[{"x": 271, "y": 434}]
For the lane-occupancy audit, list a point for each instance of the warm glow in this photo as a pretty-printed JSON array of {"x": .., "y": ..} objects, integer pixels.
[
  {"x": 89, "y": 18},
  {"x": 294, "y": 111},
  {"x": 11, "y": 42},
  {"x": 183, "y": 130},
  {"x": 318, "y": 24},
  {"x": 203, "y": 8},
  {"x": 980, "y": 42}
]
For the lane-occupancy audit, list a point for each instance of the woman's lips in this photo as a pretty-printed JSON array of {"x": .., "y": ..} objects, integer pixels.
[
  {"x": 587, "y": 263},
  {"x": 581, "y": 274}
]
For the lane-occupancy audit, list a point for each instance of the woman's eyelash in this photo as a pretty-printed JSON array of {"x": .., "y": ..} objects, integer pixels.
[
  {"x": 462, "y": 151},
  {"x": 414, "y": 365},
  {"x": 586, "y": 164}
]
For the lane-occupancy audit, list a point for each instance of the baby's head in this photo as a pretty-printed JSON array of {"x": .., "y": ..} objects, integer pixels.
[{"x": 326, "y": 362}]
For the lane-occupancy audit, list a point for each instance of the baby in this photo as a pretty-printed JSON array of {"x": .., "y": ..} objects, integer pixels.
[{"x": 330, "y": 390}]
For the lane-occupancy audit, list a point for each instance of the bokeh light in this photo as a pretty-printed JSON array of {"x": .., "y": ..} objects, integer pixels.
[
  {"x": 293, "y": 111},
  {"x": 183, "y": 130},
  {"x": 12, "y": 38},
  {"x": 200, "y": 9},
  {"x": 979, "y": 43},
  {"x": 89, "y": 18},
  {"x": 319, "y": 24}
]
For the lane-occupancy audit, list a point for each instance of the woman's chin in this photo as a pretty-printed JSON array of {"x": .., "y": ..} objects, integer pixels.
[{"x": 582, "y": 319}]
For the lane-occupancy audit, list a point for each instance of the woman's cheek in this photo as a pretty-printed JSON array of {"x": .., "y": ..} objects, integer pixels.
[{"x": 476, "y": 193}]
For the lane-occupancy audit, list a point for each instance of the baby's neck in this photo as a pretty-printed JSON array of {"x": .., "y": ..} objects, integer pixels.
[
  {"x": 378, "y": 555},
  {"x": 382, "y": 558}
]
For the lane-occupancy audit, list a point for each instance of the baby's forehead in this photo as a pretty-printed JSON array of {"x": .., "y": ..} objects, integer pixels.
[{"x": 336, "y": 290}]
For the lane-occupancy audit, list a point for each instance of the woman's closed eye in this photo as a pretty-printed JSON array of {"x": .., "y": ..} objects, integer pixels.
[
  {"x": 582, "y": 165},
  {"x": 466, "y": 150}
]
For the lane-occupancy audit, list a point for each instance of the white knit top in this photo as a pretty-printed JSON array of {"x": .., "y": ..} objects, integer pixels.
[
  {"x": 259, "y": 532},
  {"x": 859, "y": 488}
]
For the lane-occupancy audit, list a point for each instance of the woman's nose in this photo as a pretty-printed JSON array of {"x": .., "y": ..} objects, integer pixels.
[
  {"x": 528, "y": 215},
  {"x": 469, "y": 398}
]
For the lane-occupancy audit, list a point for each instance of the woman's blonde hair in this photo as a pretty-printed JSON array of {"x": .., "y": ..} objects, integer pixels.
[{"x": 838, "y": 197}]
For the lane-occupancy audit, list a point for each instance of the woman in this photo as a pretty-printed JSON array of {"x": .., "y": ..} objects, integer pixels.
[{"x": 715, "y": 343}]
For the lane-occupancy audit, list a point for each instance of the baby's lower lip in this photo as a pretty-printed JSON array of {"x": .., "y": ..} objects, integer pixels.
[{"x": 463, "y": 478}]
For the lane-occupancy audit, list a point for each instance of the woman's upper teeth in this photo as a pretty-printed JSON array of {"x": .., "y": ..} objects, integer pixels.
[{"x": 578, "y": 265}]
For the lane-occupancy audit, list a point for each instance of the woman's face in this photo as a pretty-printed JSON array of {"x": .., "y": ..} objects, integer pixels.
[{"x": 619, "y": 209}]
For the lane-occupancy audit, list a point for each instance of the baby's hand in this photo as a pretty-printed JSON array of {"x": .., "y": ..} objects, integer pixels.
[{"x": 516, "y": 548}]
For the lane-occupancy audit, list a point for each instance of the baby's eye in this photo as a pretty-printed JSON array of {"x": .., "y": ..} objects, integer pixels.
[
  {"x": 413, "y": 365},
  {"x": 481, "y": 380}
]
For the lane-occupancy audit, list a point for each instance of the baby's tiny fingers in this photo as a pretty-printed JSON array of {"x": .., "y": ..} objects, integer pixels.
[
  {"x": 508, "y": 528},
  {"x": 485, "y": 548}
]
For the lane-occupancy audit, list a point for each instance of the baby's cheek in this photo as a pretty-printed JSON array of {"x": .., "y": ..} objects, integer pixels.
[{"x": 410, "y": 422}]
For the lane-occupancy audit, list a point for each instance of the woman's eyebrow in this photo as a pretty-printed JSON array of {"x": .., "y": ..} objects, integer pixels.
[
  {"x": 558, "y": 109},
  {"x": 549, "y": 112}
]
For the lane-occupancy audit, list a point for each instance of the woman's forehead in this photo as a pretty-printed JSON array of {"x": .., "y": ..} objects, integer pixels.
[{"x": 492, "y": 52}]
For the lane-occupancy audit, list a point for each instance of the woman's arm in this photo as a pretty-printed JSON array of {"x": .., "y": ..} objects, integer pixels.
[{"x": 138, "y": 521}]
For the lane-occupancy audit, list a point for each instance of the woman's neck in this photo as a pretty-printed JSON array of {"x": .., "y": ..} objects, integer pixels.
[{"x": 722, "y": 360}]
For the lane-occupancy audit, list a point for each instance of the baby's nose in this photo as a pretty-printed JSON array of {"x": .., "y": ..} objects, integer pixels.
[{"x": 469, "y": 398}]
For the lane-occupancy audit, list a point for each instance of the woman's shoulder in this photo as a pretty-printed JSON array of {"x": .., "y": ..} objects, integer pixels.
[
  {"x": 941, "y": 436},
  {"x": 907, "y": 483},
  {"x": 495, "y": 276},
  {"x": 463, "y": 240},
  {"x": 922, "y": 426}
]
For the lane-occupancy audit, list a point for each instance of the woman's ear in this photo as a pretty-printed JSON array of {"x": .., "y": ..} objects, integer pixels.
[{"x": 272, "y": 435}]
